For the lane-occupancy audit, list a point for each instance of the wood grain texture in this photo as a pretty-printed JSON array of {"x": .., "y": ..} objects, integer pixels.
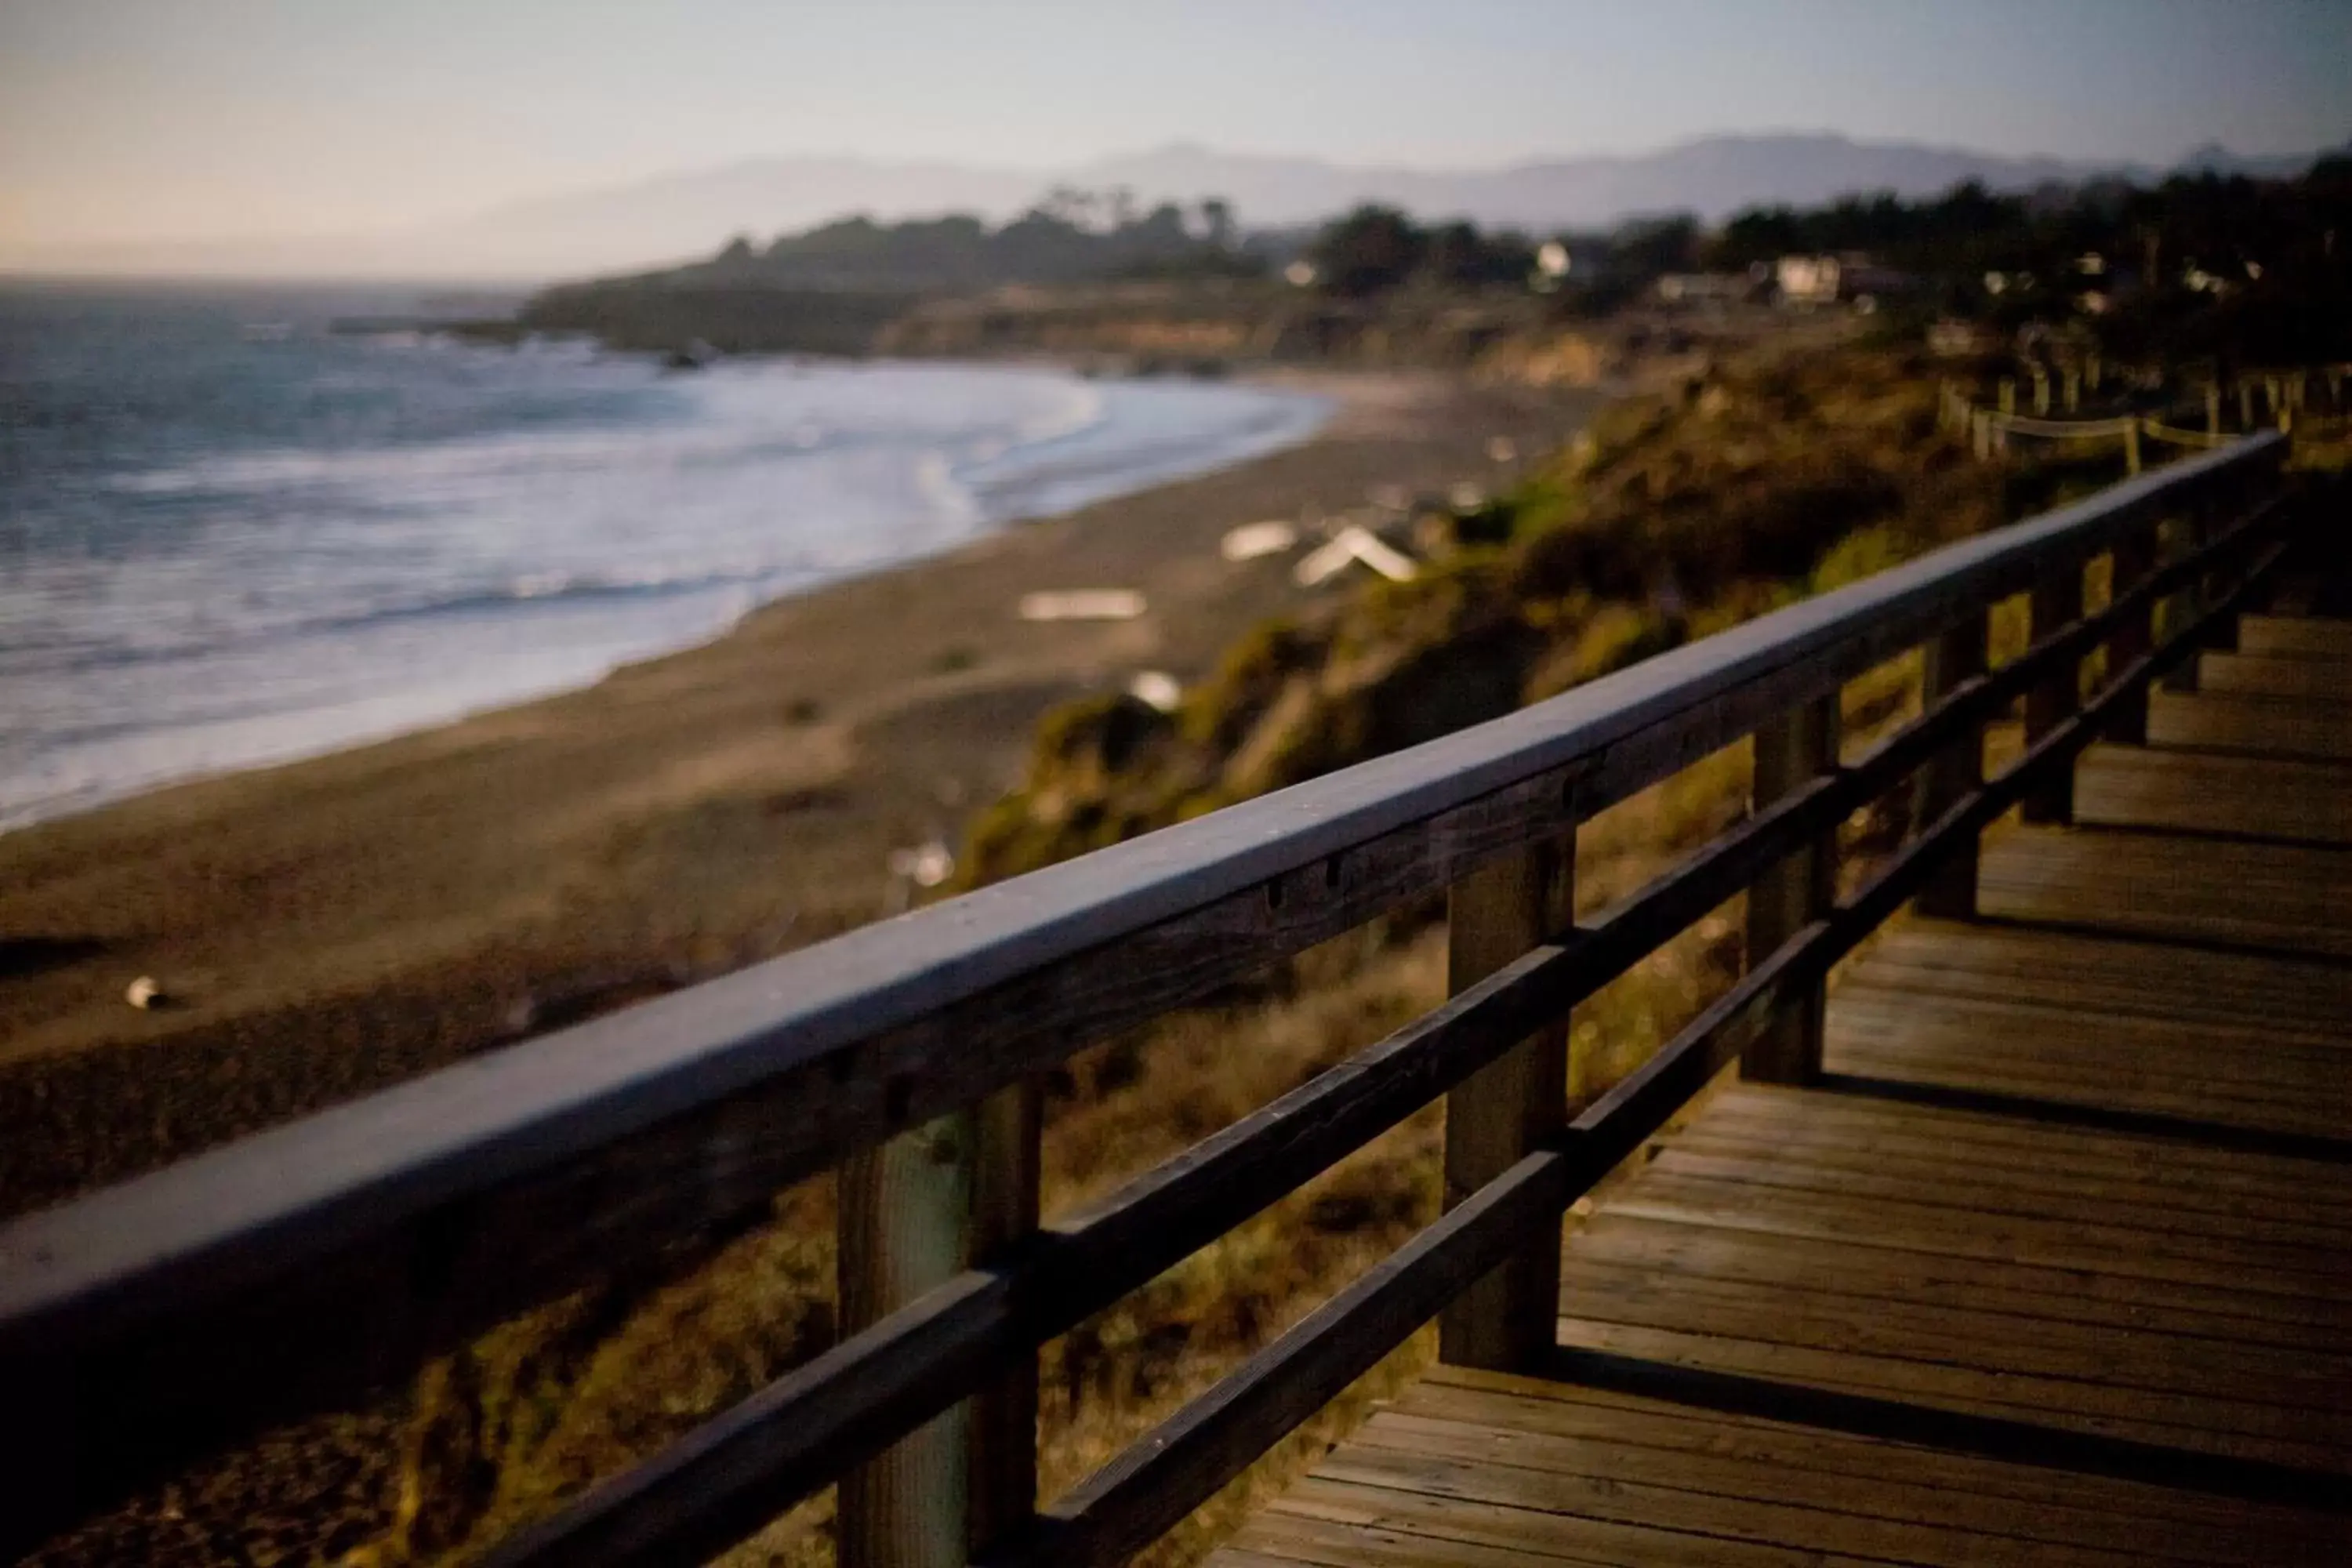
[
  {"x": 2133, "y": 558},
  {"x": 2260, "y": 634},
  {"x": 2316, "y": 677},
  {"x": 1789, "y": 755},
  {"x": 906, "y": 1229},
  {"x": 321, "y": 1259},
  {"x": 2254, "y": 796},
  {"x": 2073, "y": 1343},
  {"x": 2254, "y": 725},
  {"x": 2291, "y": 898},
  {"x": 2056, "y": 601},
  {"x": 1511, "y": 1107},
  {"x": 1953, "y": 659},
  {"x": 1000, "y": 1470}
]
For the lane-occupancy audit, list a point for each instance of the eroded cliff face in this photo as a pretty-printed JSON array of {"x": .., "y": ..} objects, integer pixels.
[
  {"x": 1510, "y": 334},
  {"x": 1725, "y": 494},
  {"x": 1208, "y": 326}
]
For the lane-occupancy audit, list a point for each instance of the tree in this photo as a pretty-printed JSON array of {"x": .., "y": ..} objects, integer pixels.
[
  {"x": 1370, "y": 251},
  {"x": 1647, "y": 246},
  {"x": 1457, "y": 255},
  {"x": 1217, "y": 219},
  {"x": 1071, "y": 205}
]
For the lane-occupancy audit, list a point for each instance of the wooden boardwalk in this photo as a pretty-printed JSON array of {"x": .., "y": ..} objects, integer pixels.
[
  {"x": 2056, "y": 1266},
  {"x": 2029, "y": 1249}
]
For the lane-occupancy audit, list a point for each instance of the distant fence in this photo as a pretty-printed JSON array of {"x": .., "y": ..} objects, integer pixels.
[
  {"x": 299, "y": 1269},
  {"x": 2282, "y": 397}
]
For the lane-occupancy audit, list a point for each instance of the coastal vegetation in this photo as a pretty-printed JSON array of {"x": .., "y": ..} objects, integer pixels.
[
  {"x": 1735, "y": 486},
  {"x": 2198, "y": 267},
  {"x": 834, "y": 289},
  {"x": 1724, "y": 495},
  {"x": 1738, "y": 489},
  {"x": 2248, "y": 271}
]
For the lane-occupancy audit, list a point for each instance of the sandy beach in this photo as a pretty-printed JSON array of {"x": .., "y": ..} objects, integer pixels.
[{"x": 325, "y": 928}]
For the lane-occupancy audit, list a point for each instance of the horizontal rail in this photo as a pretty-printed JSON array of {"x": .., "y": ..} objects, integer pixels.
[
  {"x": 1183, "y": 1462},
  {"x": 2066, "y": 429},
  {"x": 751, "y": 1463},
  {"x": 307, "y": 1264}
]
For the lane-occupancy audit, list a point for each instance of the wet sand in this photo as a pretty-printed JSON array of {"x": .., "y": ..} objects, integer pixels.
[{"x": 330, "y": 926}]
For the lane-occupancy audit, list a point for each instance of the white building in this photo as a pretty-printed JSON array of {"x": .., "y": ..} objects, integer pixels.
[{"x": 1807, "y": 280}]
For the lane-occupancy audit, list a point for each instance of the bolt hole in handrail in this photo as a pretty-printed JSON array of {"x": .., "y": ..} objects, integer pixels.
[{"x": 169, "y": 1317}]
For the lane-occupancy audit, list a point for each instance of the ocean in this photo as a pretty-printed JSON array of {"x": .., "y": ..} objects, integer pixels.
[{"x": 232, "y": 534}]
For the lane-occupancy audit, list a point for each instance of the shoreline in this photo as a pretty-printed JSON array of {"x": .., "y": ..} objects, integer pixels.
[
  {"x": 332, "y": 925},
  {"x": 529, "y": 635}
]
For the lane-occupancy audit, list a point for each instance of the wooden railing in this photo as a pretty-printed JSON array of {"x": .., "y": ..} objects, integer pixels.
[
  {"x": 301, "y": 1268},
  {"x": 2281, "y": 397}
]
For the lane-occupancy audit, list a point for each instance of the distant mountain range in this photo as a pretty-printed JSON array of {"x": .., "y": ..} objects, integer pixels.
[{"x": 681, "y": 216}]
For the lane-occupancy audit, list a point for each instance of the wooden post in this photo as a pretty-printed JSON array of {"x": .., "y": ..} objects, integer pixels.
[
  {"x": 2213, "y": 409},
  {"x": 2040, "y": 390},
  {"x": 2176, "y": 538},
  {"x": 1799, "y": 747},
  {"x": 2131, "y": 447},
  {"x": 1980, "y": 433},
  {"x": 1002, "y": 1470},
  {"x": 913, "y": 1214},
  {"x": 2073, "y": 385},
  {"x": 1506, "y": 1322},
  {"x": 2133, "y": 558},
  {"x": 2057, "y": 601},
  {"x": 905, "y": 1229},
  {"x": 1956, "y": 656},
  {"x": 2215, "y": 510},
  {"x": 2009, "y": 395}
]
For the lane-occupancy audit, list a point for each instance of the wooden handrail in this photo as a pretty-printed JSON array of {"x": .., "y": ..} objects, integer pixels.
[
  {"x": 1184, "y": 1461},
  {"x": 1099, "y": 1255},
  {"x": 158, "y": 1319}
]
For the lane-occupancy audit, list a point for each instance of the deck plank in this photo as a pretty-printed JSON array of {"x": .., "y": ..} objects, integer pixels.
[
  {"x": 2295, "y": 635},
  {"x": 2236, "y": 721},
  {"x": 2131, "y": 1224},
  {"x": 2287, "y": 898},
  {"x": 2276, "y": 674},
  {"x": 2270, "y": 797}
]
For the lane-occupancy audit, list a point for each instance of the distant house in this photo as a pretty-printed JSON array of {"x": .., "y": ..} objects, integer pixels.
[
  {"x": 1553, "y": 262},
  {"x": 1808, "y": 280}
]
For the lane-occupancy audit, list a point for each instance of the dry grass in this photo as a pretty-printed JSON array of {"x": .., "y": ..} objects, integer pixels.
[
  {"x": 533, "y": 1413},
  {"x": 702, "y": 1341},
  {"x": 641, "y": 1373}
]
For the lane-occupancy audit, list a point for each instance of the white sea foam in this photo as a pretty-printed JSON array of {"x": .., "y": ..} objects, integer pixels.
[{"x": 265, "y": 601}]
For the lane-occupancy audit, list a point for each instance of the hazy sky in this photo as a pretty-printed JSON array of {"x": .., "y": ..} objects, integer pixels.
[{"x": 139, "y": 118}]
